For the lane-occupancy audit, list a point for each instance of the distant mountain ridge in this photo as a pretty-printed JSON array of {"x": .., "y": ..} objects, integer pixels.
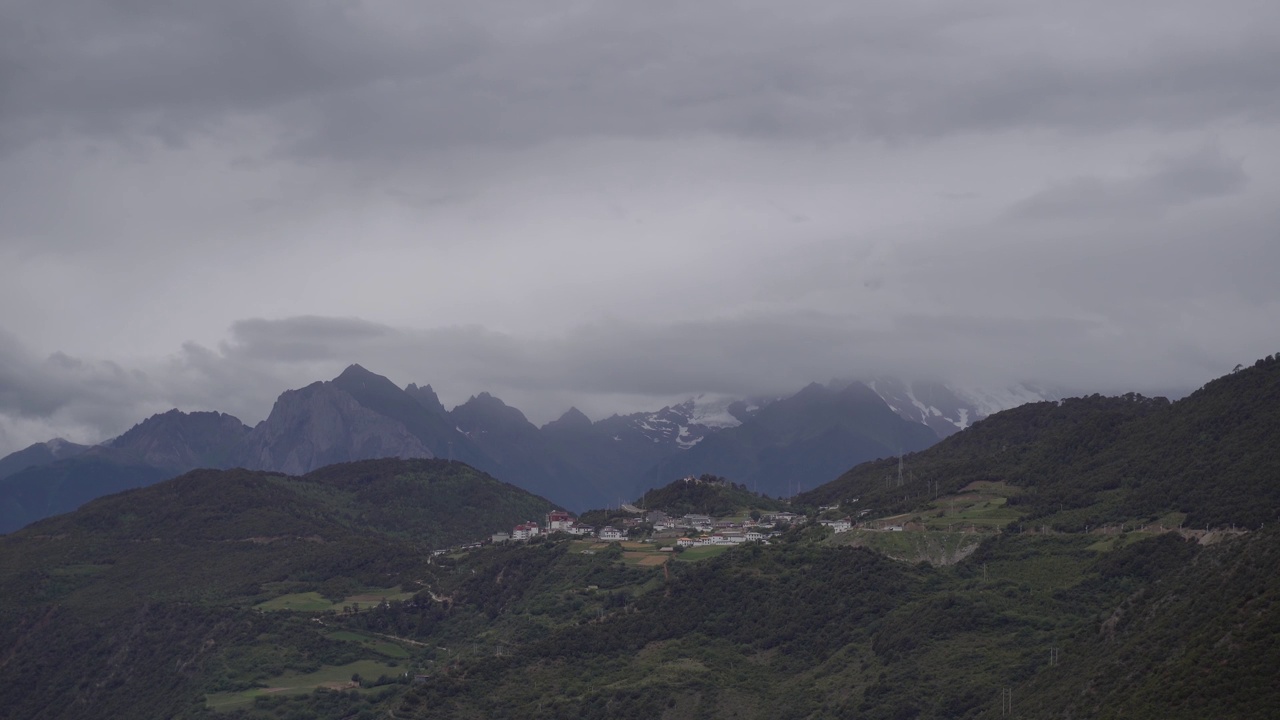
[
  {"x": 180, "y": 441},
  {"x": 158, "y": 448},
  {"x": 777, "y": 445},
  {"x": 39, "y": 454},
  {"x": 801, "y": 441}
]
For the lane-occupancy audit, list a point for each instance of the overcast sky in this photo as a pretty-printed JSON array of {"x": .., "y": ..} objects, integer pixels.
[{"x": 613, "y": 204}]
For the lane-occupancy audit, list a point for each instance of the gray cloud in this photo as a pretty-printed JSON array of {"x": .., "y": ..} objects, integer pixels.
[
  {"x": 1202, "y": 174},
  {"x": 615, "y": 204},
  {"x": 378, "y": 80}
]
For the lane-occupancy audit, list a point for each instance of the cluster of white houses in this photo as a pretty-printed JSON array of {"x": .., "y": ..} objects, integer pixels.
[
  {"x": 556, "y": 521},
  {"x": 708, "y": 530}
]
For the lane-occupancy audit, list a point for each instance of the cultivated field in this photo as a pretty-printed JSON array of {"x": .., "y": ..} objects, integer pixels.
[{"x": 330, "y": 676}]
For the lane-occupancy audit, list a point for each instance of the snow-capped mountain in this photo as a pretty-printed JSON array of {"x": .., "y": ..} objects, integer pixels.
[
  {"x": 685, "y": 424},
  {"x": 946, "y": 408}
]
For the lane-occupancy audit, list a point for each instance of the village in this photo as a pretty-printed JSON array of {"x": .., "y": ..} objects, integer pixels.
[
  {"x": 978, "y": 508},
  {"x": 689, "y": 530},
  {"x": 665, "y": 532}
]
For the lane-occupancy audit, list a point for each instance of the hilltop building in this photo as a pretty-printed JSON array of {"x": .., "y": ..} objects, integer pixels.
[{"x": 559, "y": 520}]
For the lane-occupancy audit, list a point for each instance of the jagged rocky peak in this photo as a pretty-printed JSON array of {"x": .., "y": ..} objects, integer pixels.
[
  {"x": 322, "y": 424},
  {"x": 181, "y": 441},
  {"x": 177, "y": 421},
  {"x": 356, "y": 371},
  {"x": 484, "y": 411},
  {"x": 572, "y": 419},
  {"x": 426, "y": 397},
  {"x": 356, "y": 380}
]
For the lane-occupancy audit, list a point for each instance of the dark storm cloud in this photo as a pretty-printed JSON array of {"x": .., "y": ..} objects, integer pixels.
[{"x": 372, "y": 80}]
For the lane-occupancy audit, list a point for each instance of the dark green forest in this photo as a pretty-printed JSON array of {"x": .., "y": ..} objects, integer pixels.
[{"x": 706, "y": 495}]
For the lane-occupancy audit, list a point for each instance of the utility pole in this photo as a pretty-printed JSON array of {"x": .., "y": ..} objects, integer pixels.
[
  {"x": 1053, "y": 657},
  {"x": 1006, "y": 702}
]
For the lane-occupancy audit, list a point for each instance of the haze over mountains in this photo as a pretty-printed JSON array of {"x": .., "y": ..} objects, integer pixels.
[{"x": 776, "y": 446}]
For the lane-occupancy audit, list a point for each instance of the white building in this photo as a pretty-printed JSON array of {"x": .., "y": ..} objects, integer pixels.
[
  {"x": 559, "y": 520},
  {"x": 525, "y": 531},
  {"x": 610, "y": 534}
]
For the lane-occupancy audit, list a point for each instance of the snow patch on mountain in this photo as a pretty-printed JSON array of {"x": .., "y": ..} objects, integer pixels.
[
  {"x": 709, "y": 410},
  {"x": 946, "y": 408},
  {"x": 686, "y": 439}
]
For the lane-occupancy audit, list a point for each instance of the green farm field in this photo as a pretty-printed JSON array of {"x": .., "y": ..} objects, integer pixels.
[{"x": 332, "y": 677}]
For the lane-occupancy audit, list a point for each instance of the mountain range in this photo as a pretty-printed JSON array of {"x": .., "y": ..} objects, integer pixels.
[
  {"x": 776, "y": 446},
  {"x": 1108, "y": 557}
]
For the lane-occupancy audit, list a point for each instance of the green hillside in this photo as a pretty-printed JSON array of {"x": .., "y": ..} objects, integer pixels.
[
  {"x": 237, "y": 595},
  {"x": 1090, "y": 461},
  {"x": 708, "y": 495},
  {"x": 101, "y": 605},
  {"x": 806, "y": 631}
]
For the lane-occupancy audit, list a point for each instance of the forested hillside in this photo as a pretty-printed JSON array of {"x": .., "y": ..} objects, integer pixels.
[
  {"x": 1209, "y": 457},
  {"x": 708, "y": 495},
  {"x": 237, "y": 595}
]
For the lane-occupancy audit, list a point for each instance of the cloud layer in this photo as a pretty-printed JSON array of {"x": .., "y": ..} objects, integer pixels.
[{"x": 609, "y": 205}]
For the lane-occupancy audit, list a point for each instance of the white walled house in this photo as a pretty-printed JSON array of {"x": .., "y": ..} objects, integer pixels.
[
  {"x": 559, "y": 520},
  {"x": 525, "y": 531}
]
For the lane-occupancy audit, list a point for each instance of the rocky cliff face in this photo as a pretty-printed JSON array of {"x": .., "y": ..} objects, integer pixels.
[
  {"x": 320, "y": 425},
  {"x": 178, "y": 441}
]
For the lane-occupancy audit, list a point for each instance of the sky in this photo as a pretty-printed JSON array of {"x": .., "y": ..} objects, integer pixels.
[{"x": 615, "y": 204}]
